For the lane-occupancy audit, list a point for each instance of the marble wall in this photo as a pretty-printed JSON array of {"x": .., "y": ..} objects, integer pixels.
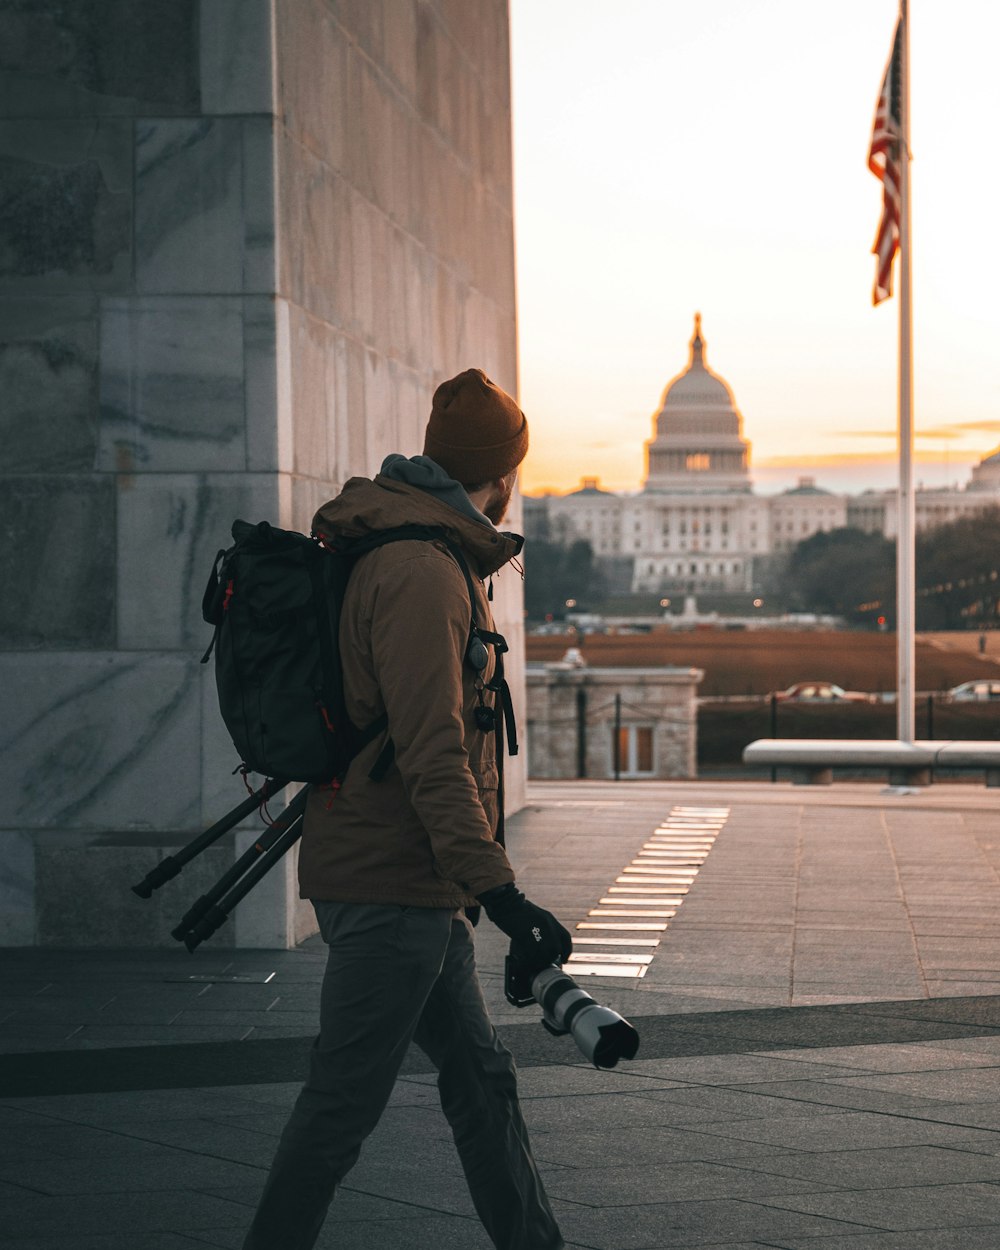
[{"x": 240, "y": 242}]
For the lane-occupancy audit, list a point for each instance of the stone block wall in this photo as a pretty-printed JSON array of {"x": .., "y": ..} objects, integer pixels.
[
  {"x": 568, "y": 704},
  {"x": 240, "y": 242}
]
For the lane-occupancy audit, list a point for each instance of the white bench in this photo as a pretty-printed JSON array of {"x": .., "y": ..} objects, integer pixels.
[
  {"x": 812, "y": 760},
  {"x": 972, "y": 755}
]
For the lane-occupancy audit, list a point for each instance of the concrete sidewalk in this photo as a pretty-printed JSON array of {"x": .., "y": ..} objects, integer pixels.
[{"x": 819, "y": 1067}]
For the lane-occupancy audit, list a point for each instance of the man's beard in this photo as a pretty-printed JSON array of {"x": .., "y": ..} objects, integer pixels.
[{"x": 496, "y": 506}]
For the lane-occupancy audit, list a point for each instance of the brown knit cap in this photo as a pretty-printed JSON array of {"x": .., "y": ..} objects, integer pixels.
[{"x": 476, "y": 432}]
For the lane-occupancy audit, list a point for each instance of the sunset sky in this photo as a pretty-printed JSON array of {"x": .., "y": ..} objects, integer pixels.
[{"x": 672, "y": 157}]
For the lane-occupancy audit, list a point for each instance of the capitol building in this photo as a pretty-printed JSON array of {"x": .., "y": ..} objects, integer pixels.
[{"x": 697, "y": 524}]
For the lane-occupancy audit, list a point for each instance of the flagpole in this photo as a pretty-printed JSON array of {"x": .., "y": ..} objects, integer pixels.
[{"x": 906, "y": 520}]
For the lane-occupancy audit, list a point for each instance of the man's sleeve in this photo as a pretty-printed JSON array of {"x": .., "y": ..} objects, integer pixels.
[{"x": 420, "y": 619}]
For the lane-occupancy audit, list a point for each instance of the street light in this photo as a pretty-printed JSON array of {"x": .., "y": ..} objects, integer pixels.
[
  {"x": 758, "y": 603},
  {"x": 571, "y": 603}
]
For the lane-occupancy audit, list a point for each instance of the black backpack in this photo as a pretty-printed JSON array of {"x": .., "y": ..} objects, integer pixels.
[{"x": 275, "y": 598}]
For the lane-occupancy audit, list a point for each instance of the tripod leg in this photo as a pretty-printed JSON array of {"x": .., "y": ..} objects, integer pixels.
[
  {"x": 292, "y": 813},
  {"x": 218, "y": 914},
  {"x": 169, "y": 867}
]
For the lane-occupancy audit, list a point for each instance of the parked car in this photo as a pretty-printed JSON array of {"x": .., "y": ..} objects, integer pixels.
[
  {"x": 975, "y": 691},
  {"x": 821, "y": 692}
]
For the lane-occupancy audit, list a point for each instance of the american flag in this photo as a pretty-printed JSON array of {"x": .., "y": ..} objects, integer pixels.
[{"x": 884, "y": 162}]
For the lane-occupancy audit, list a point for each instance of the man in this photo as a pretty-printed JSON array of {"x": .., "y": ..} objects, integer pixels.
[{"x": 391, "y": 865}]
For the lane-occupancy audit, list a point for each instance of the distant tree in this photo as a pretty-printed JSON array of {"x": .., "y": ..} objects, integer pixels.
[
  {"x": 554, "y": 573},
  {"x": 845, "y": 572},
  {"x": 853, "y": 574},
  {"x": 958, "y": 573}
]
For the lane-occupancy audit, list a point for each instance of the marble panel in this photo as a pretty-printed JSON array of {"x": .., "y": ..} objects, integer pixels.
[
  {"x": 281, "y": 433},
  {"x": 476, "y": 247},
  {"x": 310, "y": 344},
  {"x": 448, "y": 324},
  {"x": 472, "y": 26},
  {"x": 474, "y": 339},
  {"x": 65, "y": 204},
  {"x": 362, "y": 319},
  {"x": 316, "y": 207},
  {"x": 204, "y": 211},
  {"x": 312, "y": 49},
  {"x": 381, "y": 261},
  {"x": 100, "y": 741},
  {"x": 365, "y": 19},
  {"x": 338, "y": 294},
  {"x": 357, "y": 439},
  {"x": 57, "y": 562},
  {"x": 236, "y": 69},
  {"x": 98, "y": 56},
  {"x": 496, "y": 162},
  {"x": 467, "y": 122},
  {"x": 400, "y": 43},
  {"x": 376, "y": 103},
  {"x": 458, "y": 237},
  {"x": 339, "y": 438},
  {"x": 449, "y": 72},
  {"x": 483, "y": 33},
  {"x": 412, "y": 400},
  {"x": 400, "y": 156},
  {"x": 308, "y": 494},
  {"x": 419, "y": 269},
  {"x": 17, "y": 888},
  {"x": 259, "y": 207},
  {"x": 289, "y": 215},
  {"x": 490, "y": 331},
  {"x": 427, "y": 187},
  {"x": 417, "y": 216},
  {"x": 269, "y": 446},
  {"x": 430, "y": 52},
  {"x": 83, "y": 894},
  {"x": 360, "y": 155},
  {"x": 456, "y": 213},
  {"x": 170, "y": 527},
  {"x": 498, "y": 245},
  {"x": 172, "y": 384},
  {"x": 48, "y": 378},
  {"x": 381, "y": 426},
  {"x": 189, "y": 205}
]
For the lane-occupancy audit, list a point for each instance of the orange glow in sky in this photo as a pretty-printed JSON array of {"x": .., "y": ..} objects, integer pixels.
[{"x": 672, "y": 157}]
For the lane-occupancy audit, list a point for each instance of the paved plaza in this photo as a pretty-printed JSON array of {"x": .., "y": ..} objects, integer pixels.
[{"x": 814, "y": 972}]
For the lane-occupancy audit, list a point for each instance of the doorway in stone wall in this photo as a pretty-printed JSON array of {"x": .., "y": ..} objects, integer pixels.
[{"x": 635, "y": 755}]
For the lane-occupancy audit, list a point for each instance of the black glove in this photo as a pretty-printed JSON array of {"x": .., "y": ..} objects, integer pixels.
[{"x": 537, "y": 939}]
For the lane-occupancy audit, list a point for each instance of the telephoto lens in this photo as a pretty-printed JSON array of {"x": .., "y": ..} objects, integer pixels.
[{"x": 602, "y": 1035}]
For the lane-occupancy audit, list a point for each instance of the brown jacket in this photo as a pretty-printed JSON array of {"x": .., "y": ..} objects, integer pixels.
[{"x": 423, "y": 835}]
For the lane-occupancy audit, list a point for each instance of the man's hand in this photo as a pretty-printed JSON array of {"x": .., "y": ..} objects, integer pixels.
[{"x": 537, "y": 938}]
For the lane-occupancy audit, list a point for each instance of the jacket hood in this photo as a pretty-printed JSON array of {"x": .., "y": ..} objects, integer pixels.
[
  {"x": 427, "y": 474},
  {"x": 366, "y": 505}
]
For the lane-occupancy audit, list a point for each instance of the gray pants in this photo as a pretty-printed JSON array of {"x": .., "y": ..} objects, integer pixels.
[{"x": 396, "y": 975}]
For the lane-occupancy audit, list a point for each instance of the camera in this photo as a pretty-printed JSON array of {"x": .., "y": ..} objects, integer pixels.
[{"x": 602, "y": 1035}]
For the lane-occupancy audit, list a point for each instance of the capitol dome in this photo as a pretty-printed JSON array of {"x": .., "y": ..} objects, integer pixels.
[
  {"x": 697, "y": 443},
  {"x": 986, "y": 474},
  {"x": 697, "y": 386}
]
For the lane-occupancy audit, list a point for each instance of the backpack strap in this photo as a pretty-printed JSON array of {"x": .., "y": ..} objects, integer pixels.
[{"x": 498, "y": 684}]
